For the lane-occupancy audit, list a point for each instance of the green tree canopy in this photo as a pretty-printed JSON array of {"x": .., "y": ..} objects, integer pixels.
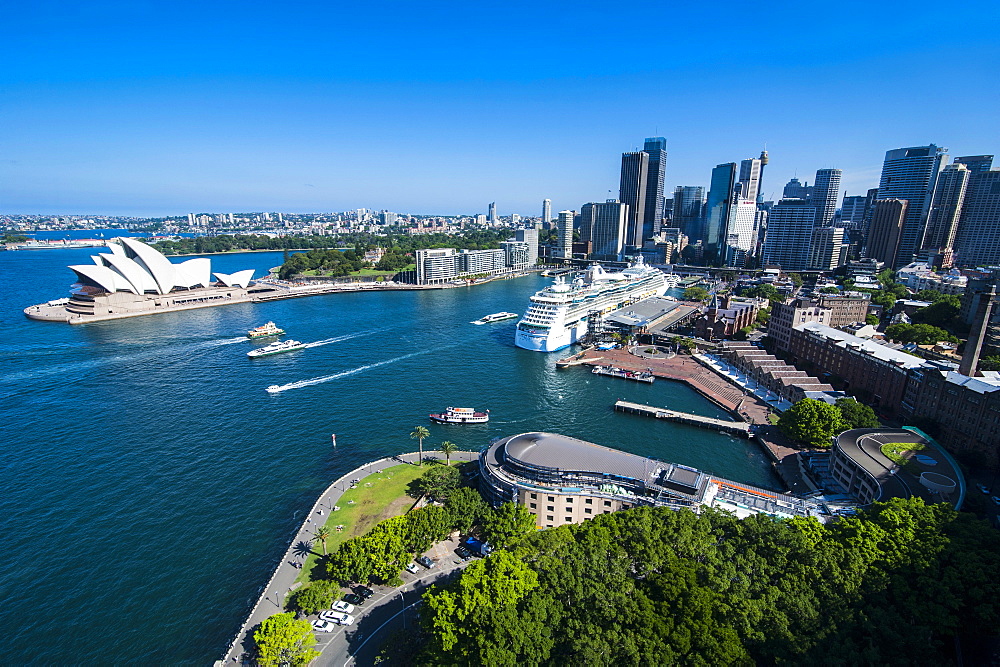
[
  {"x": 812, "y": 422},
  {"x": 507, "y": 524},
  {"x": 857, "y": 415},
  {"x": 921, "y": 334},
  {"x": 695, "y": 294},
  {"x": 467, "y": 508},
  {"x": 437, "y": 483},
  {"x": 281, "y": 640},
  {"x": 940, "y": 313}
]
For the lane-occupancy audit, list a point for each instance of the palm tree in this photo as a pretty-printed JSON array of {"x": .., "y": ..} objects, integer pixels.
[
  {"x": 419, "y": 433},
  {"x": 448, "y": 448},
  {"x": 321, "y": 534}
]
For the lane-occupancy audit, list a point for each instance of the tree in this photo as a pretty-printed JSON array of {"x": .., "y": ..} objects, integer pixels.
[
  {"x": 448, "y": 448},
  {"x": 281, "y": 640},
  {"x": 829, "y": 290},
  {"x": 317, "y": 596},
  {"x": 812, "y": 422},
  {"x": 438, "y": 482},
  {"x": 796, "y": 279},
  {"x": 857, "y": 415},
  {"x": 419, "y": 433},
  {"x": 467, "y": 507},
  {"x": 921, "y": 334},
  {"x": 872, "y": 320},
  {"x": 508, "y": 523},
  {"x": 321, "y": 534},
  {"x": 940, "y": 313},
  {"x": 695, "y": 294}
]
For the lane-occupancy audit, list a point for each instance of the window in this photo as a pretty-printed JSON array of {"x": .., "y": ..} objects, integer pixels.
[
  {"x": 607, "y": 503},
  {"x": 569, "y": 519},
  {"x": 551, "y": 508},
  {"x": 534, "y": 506},
  {"x": 569, "y": 500},
  {"x": 588, "y": 511},
  {"x": 589, "y": 501},
  {"x": 551, "y": 499},
  {"x": 534, "y": 496},
  {"x": 549, "y": 519}
]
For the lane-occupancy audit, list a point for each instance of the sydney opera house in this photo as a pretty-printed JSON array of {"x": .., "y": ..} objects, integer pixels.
[{"x": 135, "y": 279}]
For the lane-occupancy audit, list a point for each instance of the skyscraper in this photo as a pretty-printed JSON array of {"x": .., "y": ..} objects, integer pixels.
[
  {"x": 826, "y": 192},
  {"x": 656, "y": 149},
  {"x": 566, "y": 234},
  {"x": 942, "y": 220},
  {"x": 605, "y": 224},
  {"x": 794, "y": 189},
  {"x": 717, "y": 209},
  {"x": 750, "y": 171},
  {"x": 911, "y": 174},
  {"x": 529, "y": 235},
  {"x": 492, "y": 215},
  {"x": 689, "y": 210},
  {"x": 976, "y": 163},
  {"x": 888, "y": 219},
  {"x": 788, "y": 242},
  {"x": 852, "y": 211},
  {"x": 632, "y": 193},
  {"x": 546, "y": 211},
  {"x": 827, "y": 250},
  {"x": 978, "y": 238}
]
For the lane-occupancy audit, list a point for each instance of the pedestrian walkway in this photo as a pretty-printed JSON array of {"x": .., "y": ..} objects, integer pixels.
[
  {"x": 282, "y": 580},
  {"x": 748, "y": 383}
]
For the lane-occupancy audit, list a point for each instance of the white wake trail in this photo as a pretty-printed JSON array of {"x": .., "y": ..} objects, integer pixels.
[{"x": 277, "y": 389}]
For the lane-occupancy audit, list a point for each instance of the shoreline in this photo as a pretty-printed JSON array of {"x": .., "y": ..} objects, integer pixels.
[{"x": 282, "y": 579}]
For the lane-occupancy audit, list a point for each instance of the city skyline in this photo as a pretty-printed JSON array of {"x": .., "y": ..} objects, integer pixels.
[{"x": 124, "y": 109}]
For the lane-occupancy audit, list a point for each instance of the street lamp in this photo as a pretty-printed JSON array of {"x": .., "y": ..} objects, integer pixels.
[{"x": 402, "y": 601}]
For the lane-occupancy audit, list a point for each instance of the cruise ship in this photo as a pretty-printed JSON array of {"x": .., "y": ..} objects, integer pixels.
[{"x": 558, "y": 315}]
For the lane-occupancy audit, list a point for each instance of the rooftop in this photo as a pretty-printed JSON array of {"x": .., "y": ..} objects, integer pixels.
[{"x": 863, "y": 345}]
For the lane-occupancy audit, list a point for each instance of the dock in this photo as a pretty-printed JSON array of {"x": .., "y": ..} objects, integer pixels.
[
  {"x": 741, "y": 429},
  {"x": 612, "y": 371}
]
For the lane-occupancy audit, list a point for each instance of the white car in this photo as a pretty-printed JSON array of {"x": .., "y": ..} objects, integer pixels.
[
  {"x": 323, "y": 626},
  {"x": 412, "y": 568},
  {"x": 343, "y": 607},
  {"x": 337, "y": 617}
]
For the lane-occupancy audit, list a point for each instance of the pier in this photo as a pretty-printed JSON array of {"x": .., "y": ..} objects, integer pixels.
[{"x": 741, "y": 429}]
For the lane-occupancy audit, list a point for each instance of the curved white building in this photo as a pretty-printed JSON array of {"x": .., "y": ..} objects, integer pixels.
[{"x": 136, "y": 279}]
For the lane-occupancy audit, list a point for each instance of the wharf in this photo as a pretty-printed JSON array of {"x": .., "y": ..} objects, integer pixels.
[
  {"x": 637, "y": 376},
  {"x": 737, "y": 428}
]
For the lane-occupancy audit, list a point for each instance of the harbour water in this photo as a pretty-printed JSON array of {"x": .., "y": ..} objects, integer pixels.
[{"x": 150, "y": 483}]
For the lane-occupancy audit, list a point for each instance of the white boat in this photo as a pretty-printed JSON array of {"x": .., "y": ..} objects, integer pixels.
[
  {"x": 495, "y": 317},
  {"x": 559, "y": 314},
  {"x": 276, "y": 348},
  {"x": 265, "y": 330},
  {"x": 273, "y": 389},
  {"x": 461, "y": 416}
]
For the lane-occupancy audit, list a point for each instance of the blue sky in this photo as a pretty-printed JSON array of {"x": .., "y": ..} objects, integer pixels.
[{"x": 153, "y": 108}]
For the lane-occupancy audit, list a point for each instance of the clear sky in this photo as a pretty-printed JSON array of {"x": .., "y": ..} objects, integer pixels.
[{"x": 157, "y": 108}]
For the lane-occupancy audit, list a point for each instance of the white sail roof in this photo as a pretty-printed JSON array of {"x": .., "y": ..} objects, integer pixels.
[{"x": 238, "y": 279}]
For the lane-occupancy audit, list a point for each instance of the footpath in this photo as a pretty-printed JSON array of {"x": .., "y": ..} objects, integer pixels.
[{"x": 282, "y": 580}]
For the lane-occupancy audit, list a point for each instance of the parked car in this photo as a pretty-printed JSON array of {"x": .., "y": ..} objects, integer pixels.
[
  {"x": 323, "y": 626},
  {"x": 426, "y": 562},
  {"x": 996, "y": 499},
  {"x": 364, "y": 592},
  {"x": 337, "y": 617},
  {"x": 983, "y": 489},
  {"x": 351, "y": 598},
  {"x": 412, "y": 568},
  {"x": 463, "y": 553},
  {"x": 343, "y": 607}
]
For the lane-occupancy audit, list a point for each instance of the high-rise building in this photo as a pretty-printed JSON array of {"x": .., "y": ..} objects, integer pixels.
[
  {"x": 741, "y": 232},
  {"x": 826, "y": 192},
  {"x": 605, "y": 225},
  {"x": 976, "y": 163},
  {"x": 852, "y": 211},
  {"x": 720, "y": 194},
  {"x": 565, "y": 249},
  {"x": 529, "y": 236},
  {"x": 632, "y": 193},
  {"x": 656, "y": 149},
  {"x": 827, "y": 250},
  {"x": 750, "y": 172},
  {"x": 888, "y": 219},
  {"x": 492, "y": 215},
  {"x": 794, "y": 189},
  {"x": 788, "y": 242},
  {"x": 911, "y": 174},
  {"x": 978, "y": 240},
  {"x": 546, "y": 211},
  {"x": 942, "y": 220},
  {"x": 689, "y": 210}
]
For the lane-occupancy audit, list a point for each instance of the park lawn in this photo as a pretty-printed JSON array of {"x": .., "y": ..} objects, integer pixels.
[{"x": 378, "y": 496}]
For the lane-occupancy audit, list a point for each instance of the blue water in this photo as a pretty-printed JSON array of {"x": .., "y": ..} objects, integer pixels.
[{"x": 150, "y": 484}]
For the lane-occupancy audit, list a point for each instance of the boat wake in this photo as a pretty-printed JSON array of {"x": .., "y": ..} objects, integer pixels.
[
  {"x": 299, "y": 384},
  {"x": 220, "y": 343},
  {"x": 337, "y": 339}
]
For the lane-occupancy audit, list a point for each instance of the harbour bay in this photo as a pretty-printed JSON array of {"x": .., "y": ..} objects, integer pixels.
[{"x": 151, "y": 484}]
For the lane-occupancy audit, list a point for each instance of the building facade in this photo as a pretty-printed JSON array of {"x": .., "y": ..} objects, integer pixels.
[
  {"x": 978, "y": 238},
  {"x": 656, "y": 149},
  {"x": 689, "y": 210},
  {"x": 788, "y": 242},
  {"x": 911, "y": 174},
  {"x": 888, "y": 217},
  {"x": 632, "y": 193},
  {"x": 825, "y": 195}
]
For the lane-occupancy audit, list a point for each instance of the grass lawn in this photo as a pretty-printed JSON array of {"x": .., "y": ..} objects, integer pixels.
[
  {"x": 377, "y": 497},
  {"x": 895, "y": 452}
]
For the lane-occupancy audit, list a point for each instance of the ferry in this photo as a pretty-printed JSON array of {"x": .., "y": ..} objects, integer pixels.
[
  {"x": 558, "y": 315},
  {"x": 495, "y": 317},
  {"x": 276, "y": 348},
  {"x": 461, "y": 416},
  {"x": 269, "y": 329},
  {"x": 614, "y": 371}
]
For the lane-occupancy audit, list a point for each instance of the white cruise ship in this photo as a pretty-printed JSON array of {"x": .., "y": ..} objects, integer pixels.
[{"x": 558, "y": 315}]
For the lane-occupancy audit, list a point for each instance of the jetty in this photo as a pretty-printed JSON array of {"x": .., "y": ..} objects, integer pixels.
[
  {"x": 741, "y": 429},
  {"x": 615, "y": 372}
]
